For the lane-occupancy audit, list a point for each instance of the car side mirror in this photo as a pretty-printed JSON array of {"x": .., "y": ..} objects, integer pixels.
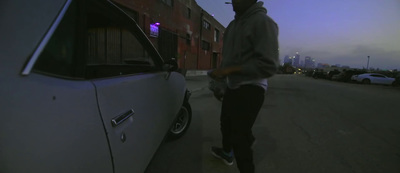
[{"x": 170, "y": 65}]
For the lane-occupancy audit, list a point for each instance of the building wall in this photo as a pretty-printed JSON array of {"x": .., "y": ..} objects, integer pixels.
[
  {"x": 189, "y": 31},
  {"x": 206, "y": 57}
]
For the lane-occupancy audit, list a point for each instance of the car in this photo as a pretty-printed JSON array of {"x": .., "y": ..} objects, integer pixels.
[
  {"x": 348, "y": 74},
  {"x": 319, "y": 74},
  {"x": 330, "y": 74},
  {"x": 373, "y": 78},
  {"x": 83, "y": 89},
  {"x": 353, "y": 78},
  {"x": 337, "y": 77}
]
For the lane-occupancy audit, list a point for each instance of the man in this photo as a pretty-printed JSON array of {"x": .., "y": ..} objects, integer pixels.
[{"x": 250, "y": 56}]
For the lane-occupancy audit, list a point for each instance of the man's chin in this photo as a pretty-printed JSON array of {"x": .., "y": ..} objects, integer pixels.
[{"x": 236, "y": 12}]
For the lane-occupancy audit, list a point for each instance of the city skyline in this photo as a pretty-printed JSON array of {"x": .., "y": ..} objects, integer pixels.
[
  {"x": 307, "y": 62},
  {"x": 336, "y": 32}
]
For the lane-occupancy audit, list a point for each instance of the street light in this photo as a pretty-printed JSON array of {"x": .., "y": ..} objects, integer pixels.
[{"x": 368, "y": 63}]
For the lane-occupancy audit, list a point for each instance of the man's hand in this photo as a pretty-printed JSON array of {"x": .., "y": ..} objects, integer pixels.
[
  {"x": 223, "y": 72},
  {"x": 219, "y": 73},
  {"x": 219, "y": 94}
]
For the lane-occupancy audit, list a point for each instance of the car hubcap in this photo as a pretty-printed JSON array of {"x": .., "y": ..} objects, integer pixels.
[{"x": 181, "y": 121}]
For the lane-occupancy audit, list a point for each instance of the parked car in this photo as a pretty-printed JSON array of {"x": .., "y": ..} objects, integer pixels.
[
  {"x": 330, "y": 74},
  {"x": 319, "y": 74},
  {"x": 354, "y": 78},
  {"x": 338, "y": 77},
  {"x": 346, "y": 75},
  {"x": 373, "y": 78},
  {"x": 83, "y": 90}
]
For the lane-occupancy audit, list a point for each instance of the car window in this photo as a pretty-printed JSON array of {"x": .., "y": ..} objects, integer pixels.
[
  {"x": 112, "y": 48},
  {"x": 115, "y": 46},
  {"x": 92, "y": 41},
  {"x": 59, "y": 57},
  {"x": 377, "y": 75}
]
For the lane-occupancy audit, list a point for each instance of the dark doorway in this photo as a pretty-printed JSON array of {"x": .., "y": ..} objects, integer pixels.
[
  {"x": 214, "y": 62},
  {"x": 167, "y": 44}
]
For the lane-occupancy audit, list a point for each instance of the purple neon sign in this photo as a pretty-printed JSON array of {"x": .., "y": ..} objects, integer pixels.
[{"x": 154, "y": 29}]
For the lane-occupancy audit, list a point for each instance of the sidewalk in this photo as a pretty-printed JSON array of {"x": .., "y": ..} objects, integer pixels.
[{"x": 196, "y": 73}]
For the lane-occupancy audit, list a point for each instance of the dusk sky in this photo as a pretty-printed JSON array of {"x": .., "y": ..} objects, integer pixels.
[{"x": 342, "y": 32}]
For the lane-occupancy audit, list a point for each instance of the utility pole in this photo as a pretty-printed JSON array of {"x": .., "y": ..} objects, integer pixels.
[{"x": 367, "y": 63}]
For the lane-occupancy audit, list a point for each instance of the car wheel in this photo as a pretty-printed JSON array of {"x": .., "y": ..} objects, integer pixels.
[
  {"x": 181, "y": 123},
  {"x": 366, "y": 81}
]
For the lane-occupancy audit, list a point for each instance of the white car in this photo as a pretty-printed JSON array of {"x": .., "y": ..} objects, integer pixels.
[
  {"x": 83, "y": 90},
  {"x": 373, "y": 78}
]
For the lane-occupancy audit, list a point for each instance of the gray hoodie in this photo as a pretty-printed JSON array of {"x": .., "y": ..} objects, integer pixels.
[{"x": 251, "y": 41}]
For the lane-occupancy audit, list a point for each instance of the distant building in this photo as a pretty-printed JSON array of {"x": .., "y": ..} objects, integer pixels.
[
  {"x": 345, "y": 67},
  {"x": 287, "y": 60},
  {"x": 179, "y": 29},
  {"x": 296, "y": 60},
  {"x": 322, "y": 65},
  {"x": 309, "y": 62}
]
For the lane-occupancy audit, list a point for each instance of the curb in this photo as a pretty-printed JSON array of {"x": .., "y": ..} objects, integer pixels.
[{"x": 196, "y": 72}]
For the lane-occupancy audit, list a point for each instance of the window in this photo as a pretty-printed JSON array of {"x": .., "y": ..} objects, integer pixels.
[
  {"x": 205, "y": 45},
  {"x": 113, "y": 49},
  {"x": 206, "y": 25},
  {"x": 59, "y": 57},
  {"x": 377, "y": 75},
  {"x": 216, "y": 35},
  {"x": 168, "y": 2},
  {"x": 115, "y": 46},
  {"x": 188, "y": 39},
  {"x": 95, "y": 43},
  {"x": 189, "y": 13}
]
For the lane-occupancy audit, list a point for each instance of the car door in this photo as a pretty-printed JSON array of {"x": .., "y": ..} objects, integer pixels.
[
  {"x": 137, "y": 115},
  {"x": 50, "y": 120},
  {"x": 137, "y": 99},
  {"x": 378, "y": 79},
  {"x": 387, "y": 80}
]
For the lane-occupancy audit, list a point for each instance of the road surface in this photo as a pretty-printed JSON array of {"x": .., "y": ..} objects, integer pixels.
[{"x": 306, "y": 125}]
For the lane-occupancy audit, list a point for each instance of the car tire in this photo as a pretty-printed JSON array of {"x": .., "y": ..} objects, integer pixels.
[
  {"x": 181, "y": 122},
  {"x": 366, "y": 81}
]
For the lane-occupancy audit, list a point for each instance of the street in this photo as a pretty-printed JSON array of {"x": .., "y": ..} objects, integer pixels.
[{"x": 306, "y": 125}]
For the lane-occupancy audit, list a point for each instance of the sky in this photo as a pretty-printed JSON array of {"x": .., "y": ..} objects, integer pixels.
[{"x": 341, "y": 32}]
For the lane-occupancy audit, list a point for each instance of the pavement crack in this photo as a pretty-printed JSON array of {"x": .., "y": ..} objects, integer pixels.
[{"x": 309, "y": 138}]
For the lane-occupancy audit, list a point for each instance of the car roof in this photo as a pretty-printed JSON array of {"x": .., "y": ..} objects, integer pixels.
[{"x": 23, "y": 25}]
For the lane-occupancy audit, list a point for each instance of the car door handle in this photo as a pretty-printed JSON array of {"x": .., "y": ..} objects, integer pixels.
[{"x": 121, "y": 118}]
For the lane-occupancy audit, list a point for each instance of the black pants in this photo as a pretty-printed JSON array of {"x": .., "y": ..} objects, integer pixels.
[{"x": 240, "y": 108}]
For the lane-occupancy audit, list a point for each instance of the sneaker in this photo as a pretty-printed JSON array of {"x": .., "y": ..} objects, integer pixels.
[{"x": 219, "y": 153}]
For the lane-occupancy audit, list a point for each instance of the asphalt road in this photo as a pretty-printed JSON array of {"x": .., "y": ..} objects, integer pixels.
[{"x": 306, "y": 125}]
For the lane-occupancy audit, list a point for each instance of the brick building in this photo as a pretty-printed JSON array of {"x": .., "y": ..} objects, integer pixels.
[{"x": 179, "y": 29}]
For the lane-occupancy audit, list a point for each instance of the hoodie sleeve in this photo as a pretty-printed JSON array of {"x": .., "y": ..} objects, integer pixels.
[{"x": 264, "y": 39}]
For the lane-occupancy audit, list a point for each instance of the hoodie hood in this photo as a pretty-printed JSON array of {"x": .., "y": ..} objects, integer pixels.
[{"x": 255, "y": 8}]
